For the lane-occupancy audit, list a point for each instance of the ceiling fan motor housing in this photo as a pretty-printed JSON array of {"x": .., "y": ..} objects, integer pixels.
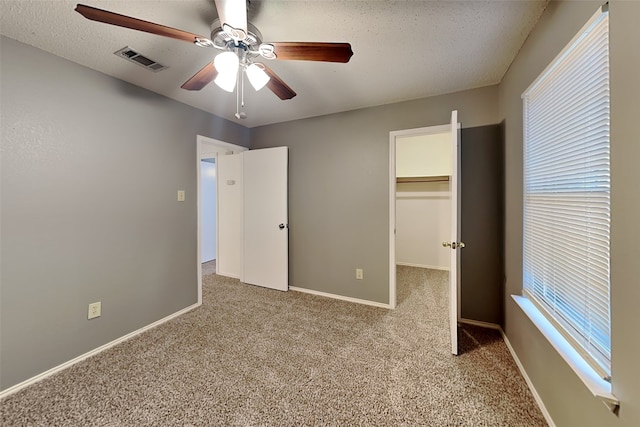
[{"x": 222, "y": 40}]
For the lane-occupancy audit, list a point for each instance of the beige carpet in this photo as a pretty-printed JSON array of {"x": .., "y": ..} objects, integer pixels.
[
  {"x": 251, "y": 356},
  {"x": 209, "y": 268}
]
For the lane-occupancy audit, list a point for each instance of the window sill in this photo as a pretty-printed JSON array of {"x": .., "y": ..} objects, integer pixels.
[{"x": 598, "y": 386}]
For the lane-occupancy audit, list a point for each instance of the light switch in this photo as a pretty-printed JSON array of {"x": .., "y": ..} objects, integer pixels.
[{"x": 181, "y": 195}]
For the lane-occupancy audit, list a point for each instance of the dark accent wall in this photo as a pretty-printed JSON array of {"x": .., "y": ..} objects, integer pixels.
[{"x": 481, "y": 261}]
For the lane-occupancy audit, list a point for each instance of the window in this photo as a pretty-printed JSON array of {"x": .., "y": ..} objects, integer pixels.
[{"x": 567, "y": 193}]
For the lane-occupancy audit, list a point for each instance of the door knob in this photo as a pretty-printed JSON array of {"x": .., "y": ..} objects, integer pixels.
[
  {"x": 281, "y": 226},
  {"x": 454, "y": 245}
]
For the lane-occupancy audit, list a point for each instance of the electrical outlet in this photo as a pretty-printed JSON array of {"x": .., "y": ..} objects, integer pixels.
[
  {"x": 181, "y": 195},
  {"x": 359, "y": 274},
  {"x": 95, "y": 310}
]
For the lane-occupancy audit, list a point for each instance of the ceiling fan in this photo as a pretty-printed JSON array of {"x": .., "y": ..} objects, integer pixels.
[{"x": 240, "y": 44}]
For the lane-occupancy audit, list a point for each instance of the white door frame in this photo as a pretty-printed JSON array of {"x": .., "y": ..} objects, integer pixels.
[
  {"x": 454, "y": 265},
  {"x": 429, "y": 130},
  {"x": 208, "y": 148}
]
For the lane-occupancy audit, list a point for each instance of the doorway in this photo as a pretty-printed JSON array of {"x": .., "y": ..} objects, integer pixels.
[
  {"x": 432, "y": 175},
  {"x": 207, "y": 151},
  {"x": 445, "y": 167},
  {"x": 208, "y": 208}
]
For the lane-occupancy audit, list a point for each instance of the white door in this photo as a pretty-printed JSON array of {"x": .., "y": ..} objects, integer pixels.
[
  {"x": 265, "y": 230},
  {"x": 454, "y": 244}
]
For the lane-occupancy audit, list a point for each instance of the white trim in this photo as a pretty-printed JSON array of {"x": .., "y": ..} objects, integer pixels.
[
  {"x": 228, "y": 145},
  {"x": 596, "y": 385},
  {"x": 533, "y": 390},
  {"x": 430, "y": 267},
  {"x": 340, "y": 297},
  {"x": 427, "y": 130},
  {"x": 392, "y": 220},
  {"x": 93, "y": 352}
]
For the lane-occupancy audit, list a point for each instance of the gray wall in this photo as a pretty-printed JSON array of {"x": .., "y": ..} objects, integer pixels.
[
  {"x": 90, "y": 171},
  {"x": 567, "y": 399},
  {"x": 339, "y": 187},
  {"x": 89, "y": 211}
]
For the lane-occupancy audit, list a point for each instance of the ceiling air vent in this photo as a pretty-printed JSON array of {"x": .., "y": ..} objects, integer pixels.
[{"x": 133, "y": 56}]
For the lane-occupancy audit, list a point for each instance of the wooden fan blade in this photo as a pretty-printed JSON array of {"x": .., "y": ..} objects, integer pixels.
[
  {"x": 202, "y": 78},
  {"x": 310, "y": 51},
  {"x": 233, "y": 13},
  {"x": 107, "y": 17},
  {"x": 277, "y": 86}
]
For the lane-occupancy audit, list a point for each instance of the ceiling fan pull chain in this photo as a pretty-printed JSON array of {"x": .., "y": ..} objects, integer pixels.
[
  {"x": 239, "y": 94},
  {"x": 238, "y": 103},
  {"x": 242, "y": 88}
]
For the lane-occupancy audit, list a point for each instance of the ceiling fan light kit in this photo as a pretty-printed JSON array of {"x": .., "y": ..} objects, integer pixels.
[
  {"x": 241, "y": 43},
  {"x": 237, "y": 55},
  {"x": 227, "y": 64},
  {"x": 257, "y": 76}
]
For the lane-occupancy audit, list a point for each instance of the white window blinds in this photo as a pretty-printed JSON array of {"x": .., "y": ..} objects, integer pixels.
[{"x": 567, "y": 192}]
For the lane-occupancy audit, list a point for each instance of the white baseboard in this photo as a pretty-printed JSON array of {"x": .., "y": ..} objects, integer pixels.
[
  {"x": 536, "y": 396},
  {"x": 93, "y": 352},
  {"x": 431, "y": 267},
  {"x": 340, "y": 297}
]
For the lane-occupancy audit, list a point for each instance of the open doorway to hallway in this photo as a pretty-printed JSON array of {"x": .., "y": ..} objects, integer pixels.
[
  {"x": 208, "y": 209},
  {"x": 209, "y": 213}
]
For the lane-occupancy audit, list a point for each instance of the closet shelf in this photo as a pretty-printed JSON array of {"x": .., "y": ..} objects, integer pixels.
[{"x": 408, "y": 179}]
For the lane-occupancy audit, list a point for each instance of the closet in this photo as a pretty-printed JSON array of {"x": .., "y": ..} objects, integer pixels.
[
  {"x": 423, "y": 213},
  {"x": 423, "y": 200}
]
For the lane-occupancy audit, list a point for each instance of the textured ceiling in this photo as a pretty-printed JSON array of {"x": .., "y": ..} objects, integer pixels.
[{"x": 402, "y": 49}]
